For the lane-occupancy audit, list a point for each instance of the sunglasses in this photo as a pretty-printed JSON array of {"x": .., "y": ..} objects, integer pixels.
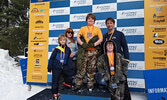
[{"x": 69, "y": 32}]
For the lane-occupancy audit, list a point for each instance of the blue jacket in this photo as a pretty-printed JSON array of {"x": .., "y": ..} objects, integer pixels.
[
  {"x": 54, "y": 61},
  {"x": 120, "y": 40}
]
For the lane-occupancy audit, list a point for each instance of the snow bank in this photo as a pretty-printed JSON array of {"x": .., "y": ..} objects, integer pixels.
[{"x": 11, "y": 85}]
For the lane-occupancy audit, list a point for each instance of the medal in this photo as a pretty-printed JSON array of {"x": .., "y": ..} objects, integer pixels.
[
  {"x": 89, "y": 34},
  {"x": 112, "y": 68},
  {"x": 62, "y": 54},
  {"x": 62, "y": 61}
]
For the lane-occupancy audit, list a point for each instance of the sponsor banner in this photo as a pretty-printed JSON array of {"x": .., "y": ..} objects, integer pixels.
[
  {"x": 100, "y": 23},
  {"x": 128, "y": 0},
  {"x": 136, "y": 65},
  {"x": 136, "y": 83},
  {"x": 77, "y": 17},
  {"x": 136, "y": 47},
  {"x": 59, "y": 26},
  {"x": 132, "y": 30},
  {"x": 104, "y": 7},
  {"x": 74, "y": 3},
  {"x": 38, "y": 42},
  {"x": 125, "y": 14},
  {"x": 60, "y": 11},
  {"x": 53, "y": 40},
  {"x": 155, "y": 34},
  {"x": 76, "y": 31}
]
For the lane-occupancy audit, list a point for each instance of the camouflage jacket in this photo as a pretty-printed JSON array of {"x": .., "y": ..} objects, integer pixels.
[
  {"x": 120, "y": 70},
  {"x": 81, "y": 50}
]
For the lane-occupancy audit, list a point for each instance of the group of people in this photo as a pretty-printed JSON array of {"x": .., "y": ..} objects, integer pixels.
[{"x": 108, "y": 54}]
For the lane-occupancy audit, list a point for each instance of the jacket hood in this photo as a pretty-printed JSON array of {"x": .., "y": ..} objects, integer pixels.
[{"x": 105, "y": 48}]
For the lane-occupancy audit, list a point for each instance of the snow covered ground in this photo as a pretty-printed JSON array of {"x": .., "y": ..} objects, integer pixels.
[{"x": 12, "y": 87}]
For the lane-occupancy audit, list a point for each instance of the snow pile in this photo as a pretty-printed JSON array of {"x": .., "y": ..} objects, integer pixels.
[{"x": 11, "y": 85}]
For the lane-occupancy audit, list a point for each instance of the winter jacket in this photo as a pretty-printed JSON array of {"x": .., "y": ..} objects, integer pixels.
[
  {"x": 82, "y": 48},
  {"x": 54, "y": 61},
  {"x": 120, "y": 64}
]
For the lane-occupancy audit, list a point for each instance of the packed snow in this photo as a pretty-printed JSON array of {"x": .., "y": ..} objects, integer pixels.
[{"x": 11, "y": 83}]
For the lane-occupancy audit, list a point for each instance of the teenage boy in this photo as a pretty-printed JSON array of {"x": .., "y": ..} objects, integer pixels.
[
  {"x": 122, "y": 47},
  {"x": 113, "y": 67},
  {"x": 89, "y": 39}
]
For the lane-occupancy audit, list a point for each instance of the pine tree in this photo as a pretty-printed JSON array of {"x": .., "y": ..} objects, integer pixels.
[{"x": 14, "y": 27}]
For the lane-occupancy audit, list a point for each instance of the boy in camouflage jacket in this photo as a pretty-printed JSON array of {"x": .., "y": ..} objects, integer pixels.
[{"x": 113, "y": 67}]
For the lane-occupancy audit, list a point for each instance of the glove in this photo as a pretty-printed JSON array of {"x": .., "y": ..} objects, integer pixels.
[{"x": 85, "y": 45}]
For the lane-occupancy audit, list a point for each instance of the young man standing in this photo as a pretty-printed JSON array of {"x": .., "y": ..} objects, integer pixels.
[
  {"x": 89, "y": 39},
  {"x": 113, "y": 67}
]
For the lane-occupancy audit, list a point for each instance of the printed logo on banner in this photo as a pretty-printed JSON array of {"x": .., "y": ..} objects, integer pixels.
[
  {"x": 159, "y": 64},
  {"x": 53, "y": 40},
  {"x": 136, "y": 47},
  {"x": 104, "y": 7},
  {"x": 59, "y": 26},
  {"x": 60, "y": 11},
  {"x": 37, "y": 38},
  {"x": 36, "y": 50},
  {"x": 136, "y": 65},
  {"x": 125, "y": 14},
  {"x": 160, "y": 58},
  {"x": 158, "y": 9},
  {"x": 158, "y": 41},
  {"x": 158, "y": 90},
  {"x": 38, "y": 34},
  {"x": 132, "y": 30},
  {"x": 157, "y": 35},
  {"x": 39, "y": 16},
  {"x": 158, "y": 18},
  {"x": 34, "y": 10},
  {"x": 77, "y": 17},
  {"x": 136, "y": 83},
  {"x": 38, "y": 55},
  {"x": 159, "y": 30},
  {"x": 40, "y": 4},
  {"x": 38, "y": 44},
  {"x": 39, "y": 22},
  {"x": 100, "y": 23},
  {"x": 76, "y": 31},
  {"x": 80, "y": 3}
]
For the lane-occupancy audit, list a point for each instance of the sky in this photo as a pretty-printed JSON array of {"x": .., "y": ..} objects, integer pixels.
[{"x": 11, "y": 83}]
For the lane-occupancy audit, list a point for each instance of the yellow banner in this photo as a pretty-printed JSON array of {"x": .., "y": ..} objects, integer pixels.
[
  {"x": 38, "y": 42},
  {"x": 155, "y": 25}
]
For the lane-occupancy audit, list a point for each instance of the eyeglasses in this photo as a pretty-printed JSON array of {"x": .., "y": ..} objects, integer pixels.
[{"x": 69, "y": 32}]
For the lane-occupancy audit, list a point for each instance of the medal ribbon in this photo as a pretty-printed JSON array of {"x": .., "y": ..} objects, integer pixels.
[
  {"x": 62, "y": 54},
  {"x": 111, "y": 34}
]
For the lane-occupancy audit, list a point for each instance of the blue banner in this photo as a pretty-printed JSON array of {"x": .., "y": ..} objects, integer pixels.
[{"x": 156, "y": 84}]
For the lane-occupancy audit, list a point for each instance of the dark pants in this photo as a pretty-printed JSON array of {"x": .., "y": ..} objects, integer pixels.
[
  {"x": 127, "y": 92},
  {"x": 58, "y": 75}
]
